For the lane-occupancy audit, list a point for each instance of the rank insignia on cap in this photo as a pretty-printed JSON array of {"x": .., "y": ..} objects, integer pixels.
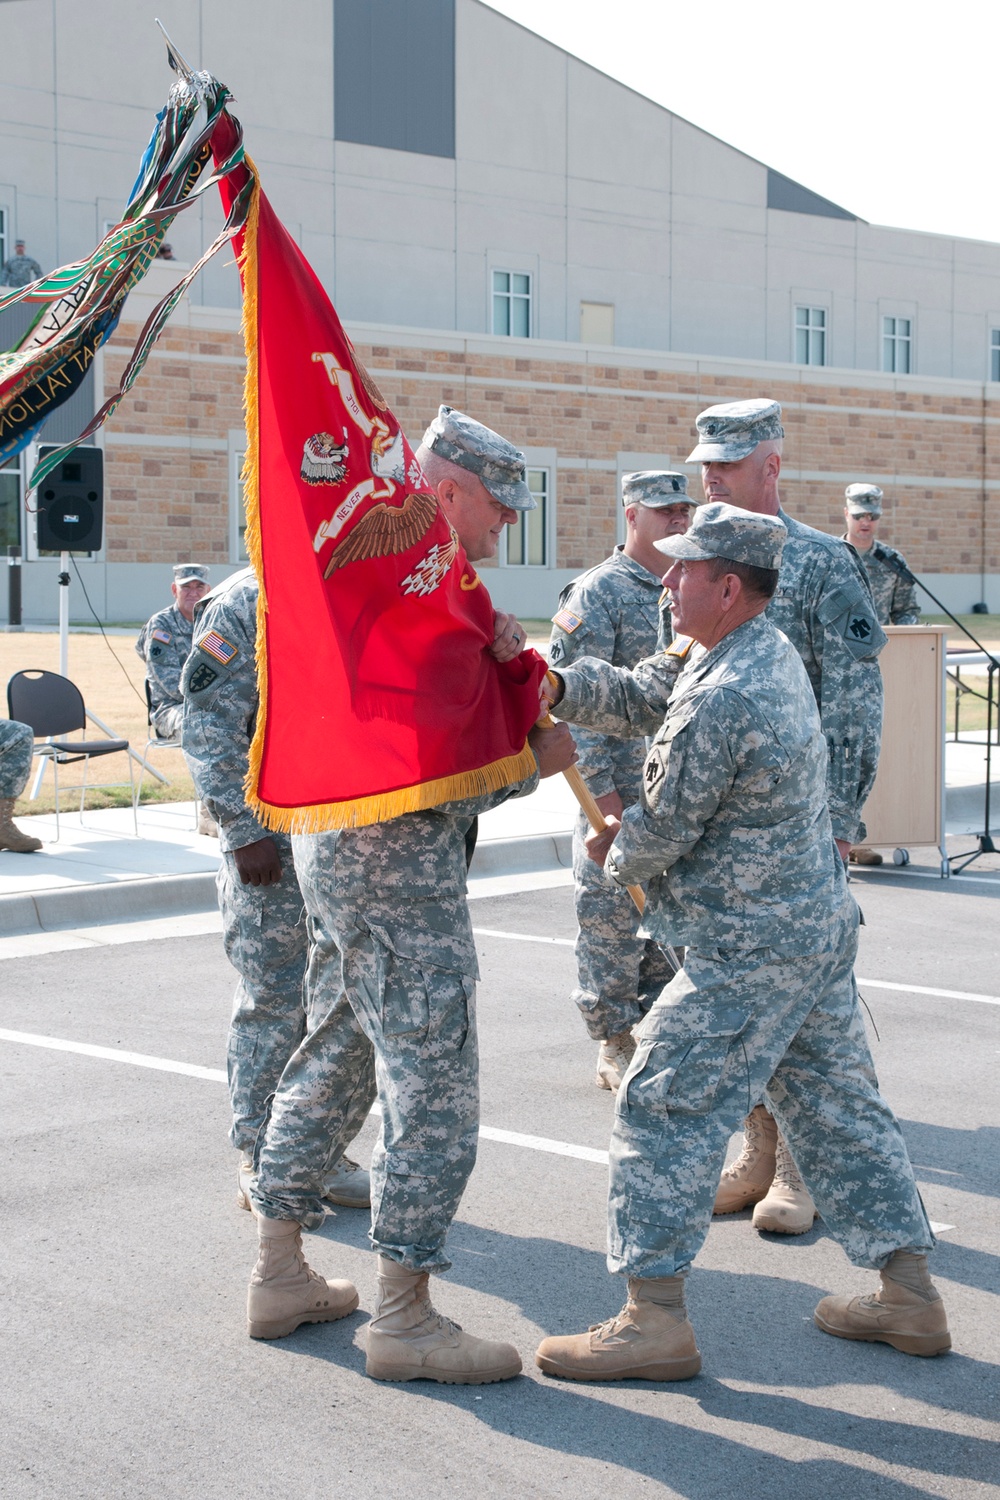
[
  {"x": 680, "y": 646},
  {"x": 567, "y": 620},
  {"x": 162, "y": 635},
  {"x": 215, "y": 646}
]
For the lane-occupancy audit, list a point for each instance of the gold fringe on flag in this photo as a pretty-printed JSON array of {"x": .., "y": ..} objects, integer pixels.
[{"x": 358, "y": 812}]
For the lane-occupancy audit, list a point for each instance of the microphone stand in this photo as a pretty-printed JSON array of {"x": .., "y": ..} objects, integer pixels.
[{"x": 984, "y": 842}]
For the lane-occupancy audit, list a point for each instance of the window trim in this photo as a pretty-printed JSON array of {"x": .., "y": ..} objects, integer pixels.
[
  {"x": 537, "y": 458},
  {"x": 993, "y": 352},
  {"x": 897, "y": 339},
  {"x": 809, "y": 307},
  {"x": 16, "y": 464},
  {"x": 236, "y": 455},
  {"x": 508, "y": 270}
]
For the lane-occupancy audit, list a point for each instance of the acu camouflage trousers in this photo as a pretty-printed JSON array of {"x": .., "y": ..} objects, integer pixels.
[
  {"x": 619, "y": 975},
  {"x": 265, "y": 937},
  {"x": 418, "y": 1021},
  {"x": 17, "y": 744},
  {"x": 733, "y": 1026}
]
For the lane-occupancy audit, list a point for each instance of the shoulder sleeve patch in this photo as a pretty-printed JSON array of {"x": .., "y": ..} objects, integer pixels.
[
  {"x": 201, "y": 678},
  {"x": 567, "y": 620},
  {"x": 679, "y": 647},
  {"x": 216, "y": 645},
  {"x": 162, "y": 635}
]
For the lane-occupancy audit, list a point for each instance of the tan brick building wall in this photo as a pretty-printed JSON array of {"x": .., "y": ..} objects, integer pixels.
[{"x": 934, "y": 446}]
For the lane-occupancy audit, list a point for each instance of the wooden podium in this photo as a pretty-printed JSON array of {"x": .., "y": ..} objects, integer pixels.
[{"x": 906, "y": 806}]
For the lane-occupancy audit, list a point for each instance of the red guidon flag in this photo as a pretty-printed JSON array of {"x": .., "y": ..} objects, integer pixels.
[{"x": 378, "y": 695}]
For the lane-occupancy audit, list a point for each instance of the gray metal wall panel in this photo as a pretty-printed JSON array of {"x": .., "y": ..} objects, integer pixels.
[{"x": 394, "y": 74}]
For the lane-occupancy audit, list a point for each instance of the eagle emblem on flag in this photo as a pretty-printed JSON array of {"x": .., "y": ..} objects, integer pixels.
[
  {"x": 324, "y": 459},
  {"x": 386, "y": 529}
]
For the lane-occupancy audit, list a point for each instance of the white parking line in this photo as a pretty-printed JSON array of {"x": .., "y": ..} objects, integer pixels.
[
  {"x": 114, "y": 1054},
  {"x": 874, "y": 984},
  {"x": 523, "y": 937},
  {"x": 217, "y": 1075},
  {"x": 920, "y": 989}
]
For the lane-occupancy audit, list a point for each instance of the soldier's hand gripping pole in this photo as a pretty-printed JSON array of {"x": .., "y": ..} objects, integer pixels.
[{"x": 593, "y": 813}]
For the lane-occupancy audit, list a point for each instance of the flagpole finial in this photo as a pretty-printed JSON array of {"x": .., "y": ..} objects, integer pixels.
[{"x": 175, "y": 57}]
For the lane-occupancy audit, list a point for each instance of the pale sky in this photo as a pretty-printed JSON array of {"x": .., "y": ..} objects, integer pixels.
[{"x": 890, "y": 109}]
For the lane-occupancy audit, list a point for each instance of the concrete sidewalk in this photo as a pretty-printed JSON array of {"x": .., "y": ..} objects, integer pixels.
[{"x": 99, "y": 874}]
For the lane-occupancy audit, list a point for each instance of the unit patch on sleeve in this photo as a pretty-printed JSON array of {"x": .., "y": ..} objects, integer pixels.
[
  {"x": 567, "y": 620},
  {"x": 201, "y": 678},
  {"x": 214, "y": 645}
]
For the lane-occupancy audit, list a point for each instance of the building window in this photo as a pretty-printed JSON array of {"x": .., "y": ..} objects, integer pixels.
[
  {"x": 897, "y": 339},
  {"x": 810, "y": 335},
  {"x": 512, "y": 303},
  {"x": 527, "y": 541},
  {"x": 597, "y": 323},
  {"x": 10, "y": 503},
  {"x": 995, "y": 353},
  {"x": 237, "y": 507}
]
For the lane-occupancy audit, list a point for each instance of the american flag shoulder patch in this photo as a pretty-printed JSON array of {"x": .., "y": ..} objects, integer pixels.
[
  {"x": 567, "y": 620},
  {"x": 162, "y": 635},
  {"x": 214, "y": 645},
  {"x": 680, "y": 646}
]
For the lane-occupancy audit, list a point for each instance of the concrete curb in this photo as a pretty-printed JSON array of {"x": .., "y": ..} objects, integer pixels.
[
  {"x": 546, "y": 851},
  {"x": 114, "y": 901},
  {"x": 99, "y": 904}
]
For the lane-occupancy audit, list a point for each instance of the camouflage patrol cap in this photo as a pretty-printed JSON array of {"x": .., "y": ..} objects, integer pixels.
[
  {"x": 720, "y": 530},
  {"x": 464, "y": 441},
  {"x": 185, "y": 572},
  {"x": 863, "y": 500},
  {"x": 656, "y": 488},
  {"x": 729, "y": 432}
]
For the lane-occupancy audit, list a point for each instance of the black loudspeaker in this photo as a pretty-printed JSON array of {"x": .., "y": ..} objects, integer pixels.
[{"x": 71, "y": 503}]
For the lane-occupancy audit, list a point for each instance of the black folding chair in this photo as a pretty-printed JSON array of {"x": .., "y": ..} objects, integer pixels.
[{"x": 54, "y": 707}]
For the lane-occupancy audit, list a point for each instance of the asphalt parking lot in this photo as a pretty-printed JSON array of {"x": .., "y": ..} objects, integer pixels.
[{"x": 127, "y": 1370}]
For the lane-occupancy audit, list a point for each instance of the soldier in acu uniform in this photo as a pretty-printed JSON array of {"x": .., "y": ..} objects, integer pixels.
[
  {"x": 17, "y": 744},
  {"x": 264, "y": 920},
  {"x": 612, "y": 612},
  {"x": 164, "y": 642},
  {"x": 824, "y": 606},
  {"x": 392, "y": 929},
  {"x": 734, "y": 838},
  {"x": 894, "y": 592},
  {"x": 893, "y": 589}
]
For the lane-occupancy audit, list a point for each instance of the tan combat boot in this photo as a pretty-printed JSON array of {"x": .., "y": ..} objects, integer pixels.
[
  {"x": 788, "y": 1207},
  {"x": 408, "y": 1340},
  {"x": 906, "y": 1311},
  {"x": 11, "y": 836},
  {"x": 650, "y": 1339},
  {"x": 207, "y": 826},
  {"x": 862, "y": 855},
  {"x": 347, "y": 1185},
  {"x": 284, "y": 1291},
  {"x": 613, "y": 1059},
  {"x": 750, "y": 1175}
]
